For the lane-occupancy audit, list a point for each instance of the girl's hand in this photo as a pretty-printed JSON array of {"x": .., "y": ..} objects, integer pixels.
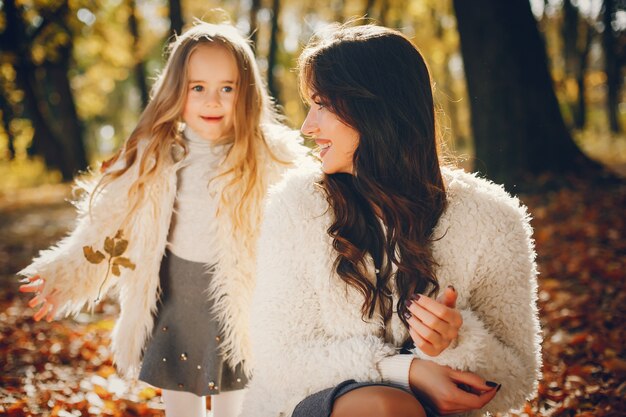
[
  {"x": 49, "y": 306},
  {"x": 447, "y": 390},
  {"x": 434, "y": 325}
]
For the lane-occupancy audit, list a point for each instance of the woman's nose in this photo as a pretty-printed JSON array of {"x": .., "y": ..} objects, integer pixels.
[{"x": 309, "y": 126}]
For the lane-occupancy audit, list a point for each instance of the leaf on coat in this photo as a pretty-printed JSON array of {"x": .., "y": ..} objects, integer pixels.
[
  {"x": 93, "y": 257},
  {"x": 109, "y": 245},
  {"x": 115, "y": 270},
  {"x": 125, "y": 262},
  {"x": 120, "y": 247}
]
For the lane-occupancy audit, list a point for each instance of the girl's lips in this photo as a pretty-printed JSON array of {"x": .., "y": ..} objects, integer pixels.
[{"x": 211, "y": 118}]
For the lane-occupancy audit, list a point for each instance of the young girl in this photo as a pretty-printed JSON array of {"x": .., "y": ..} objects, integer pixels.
[
  {"x": 350, "y": 258},
  {"x": 171, "y": 225}
]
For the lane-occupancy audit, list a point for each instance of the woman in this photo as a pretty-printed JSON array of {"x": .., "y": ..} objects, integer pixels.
[{"x": 350, "y": 258}]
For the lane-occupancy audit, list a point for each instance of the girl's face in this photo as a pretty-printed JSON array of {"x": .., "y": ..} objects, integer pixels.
[
  {"x": 211, "y": 92},
  {"x": 337, "y": 141}
]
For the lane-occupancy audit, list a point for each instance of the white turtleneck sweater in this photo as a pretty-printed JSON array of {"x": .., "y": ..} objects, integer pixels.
[{"x": 192, "y": 233}]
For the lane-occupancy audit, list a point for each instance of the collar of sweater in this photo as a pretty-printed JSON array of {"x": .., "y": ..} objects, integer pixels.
[{"x": 197, "y": 141}]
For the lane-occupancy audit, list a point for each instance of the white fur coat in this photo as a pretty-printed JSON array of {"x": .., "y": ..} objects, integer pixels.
[
  {"x": 76, "y": 280},
  {"x": 307, "y": 332}
]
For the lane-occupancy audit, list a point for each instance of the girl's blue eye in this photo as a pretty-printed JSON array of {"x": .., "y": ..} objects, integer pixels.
[
  {"x": 320, "y": 106},
  {"x": 227, "y": 89},
  {"x": 197, "y": 88}
]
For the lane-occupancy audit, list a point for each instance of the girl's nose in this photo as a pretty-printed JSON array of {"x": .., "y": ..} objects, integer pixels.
[
  {"x": 310, "y": 126},
  {"x": 212, "y": 99}
]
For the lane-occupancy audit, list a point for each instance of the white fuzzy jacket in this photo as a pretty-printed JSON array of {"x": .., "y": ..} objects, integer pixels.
[
  {"x": 306, "y": 327},
  {"x": 66, "y": 269}
]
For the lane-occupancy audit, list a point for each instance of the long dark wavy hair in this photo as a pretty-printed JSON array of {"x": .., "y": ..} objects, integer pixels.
[{"x": 376, "y": 81}]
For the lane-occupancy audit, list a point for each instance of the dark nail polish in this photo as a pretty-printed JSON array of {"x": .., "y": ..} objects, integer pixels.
[
  {"x": 499, "y": 386},
  {"x": 465, "y": 388},
  {"x": 408, "y": 303},
  {"x": 406, "y": 315},
  {"x": 416, "y": 297},
  {"x": 491, "y": 384},
  {"x": 452, "y": 288}
]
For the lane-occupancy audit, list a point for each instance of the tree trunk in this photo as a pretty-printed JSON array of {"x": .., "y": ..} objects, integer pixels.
[
  {"x": 369, "y": 9},
  {"x": 273, "y": 52},
  {"x": 517, "y": 125},
  {"x": 580, "y": 115},
  {"x": 176, "y": 17},
  {"x": 7, "y": 115},
  {"x": 138, "y": 69},
  {"x": 16, "y": 42},
  {"x": 70, "y": 128},
  {"x": 45, "y": 142},
  {"x": 384, "y": 13},
  {"x": 612, "y": 65},
  {"x": 569, "y": 33},
  {"x": 570, "y": 37},
  {"x": 576, "y": 34},
  {"x": 338, "y": 10},
  {"x": 254, "y": 22}
]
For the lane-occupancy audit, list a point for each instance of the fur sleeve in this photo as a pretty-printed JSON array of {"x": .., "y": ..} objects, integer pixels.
[
  {"x": 500, "y": 337},
  {"x": 292, "y": 356},
  {"x": 64, "y": 266}
]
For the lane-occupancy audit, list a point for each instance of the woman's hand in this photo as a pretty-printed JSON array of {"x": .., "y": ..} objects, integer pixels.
[
  {"x": 49, "y": 306},
  {"x": 434, "y": 324},
  {"x": 447, "y": 390}
]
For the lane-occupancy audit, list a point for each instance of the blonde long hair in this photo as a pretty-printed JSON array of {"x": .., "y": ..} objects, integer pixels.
[{"x": 159, "y": 126}]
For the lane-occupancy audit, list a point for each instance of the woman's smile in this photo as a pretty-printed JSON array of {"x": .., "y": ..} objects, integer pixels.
[{"x": 323, "y": 146}]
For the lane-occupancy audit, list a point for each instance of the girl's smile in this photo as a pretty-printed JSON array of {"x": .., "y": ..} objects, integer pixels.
[{"x": 212, "y": 119}]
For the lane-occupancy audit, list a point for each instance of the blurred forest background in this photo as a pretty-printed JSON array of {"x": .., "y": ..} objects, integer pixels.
[
  {"x": 530, "y": 93},
  {"x": 517, "y": 82}
]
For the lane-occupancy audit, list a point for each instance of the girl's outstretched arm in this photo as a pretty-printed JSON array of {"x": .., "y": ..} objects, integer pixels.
[{"x": 83, "y": 266}]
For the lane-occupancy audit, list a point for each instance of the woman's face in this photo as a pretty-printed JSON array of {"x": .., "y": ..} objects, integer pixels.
[{"x": 336, "y": 140}]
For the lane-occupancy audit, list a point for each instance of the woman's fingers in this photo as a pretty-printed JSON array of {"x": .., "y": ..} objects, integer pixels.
[
  {"x": 485, "y": 397},
  {"x": 424, "y": 345},
  {"x": 449, "y": 391},
  {"x": 428, "y": 335},
  {"x": 448, "y": 297},
  {"x": 457, "y": 400},
  {"x": 464, "y": 400},
  {"x": 437, "y": 324},
  {"x": 474, "y": 381},
  {"x": 447, "y": 314},
  {"x": 446, "y": 330},
  {"x": 483, "y": 391}
]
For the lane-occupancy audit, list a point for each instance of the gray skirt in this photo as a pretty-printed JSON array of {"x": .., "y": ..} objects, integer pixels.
[
  {"x": 321, "y": 403},
  {"x": 182, "y": 354}
]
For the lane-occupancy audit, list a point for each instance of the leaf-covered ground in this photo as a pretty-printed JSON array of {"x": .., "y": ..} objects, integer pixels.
[{"x": 64, "y": 368}]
